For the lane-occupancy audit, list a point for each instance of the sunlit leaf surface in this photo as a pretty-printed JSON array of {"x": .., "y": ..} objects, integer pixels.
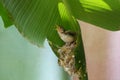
[{"x": 103, "y": 13}]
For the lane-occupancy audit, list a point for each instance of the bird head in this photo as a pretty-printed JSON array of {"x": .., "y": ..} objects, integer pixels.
[{"x": 60, "y": 29}]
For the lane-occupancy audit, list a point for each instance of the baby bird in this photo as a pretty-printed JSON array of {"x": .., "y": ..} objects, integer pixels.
[{"x": 67, "y": 36}]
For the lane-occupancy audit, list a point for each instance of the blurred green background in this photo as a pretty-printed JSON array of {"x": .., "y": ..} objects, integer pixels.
[{"x": 21, "y": 60}]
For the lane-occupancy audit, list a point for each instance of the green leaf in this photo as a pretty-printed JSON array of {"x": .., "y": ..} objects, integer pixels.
[
  {"x": 102, "y": 13},
  {"x": 5, "y": 16},
  {"x": 35, "y": 19}
]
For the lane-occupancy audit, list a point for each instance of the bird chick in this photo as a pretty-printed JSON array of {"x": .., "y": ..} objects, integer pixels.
[{"x": 67, "y": 36}]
